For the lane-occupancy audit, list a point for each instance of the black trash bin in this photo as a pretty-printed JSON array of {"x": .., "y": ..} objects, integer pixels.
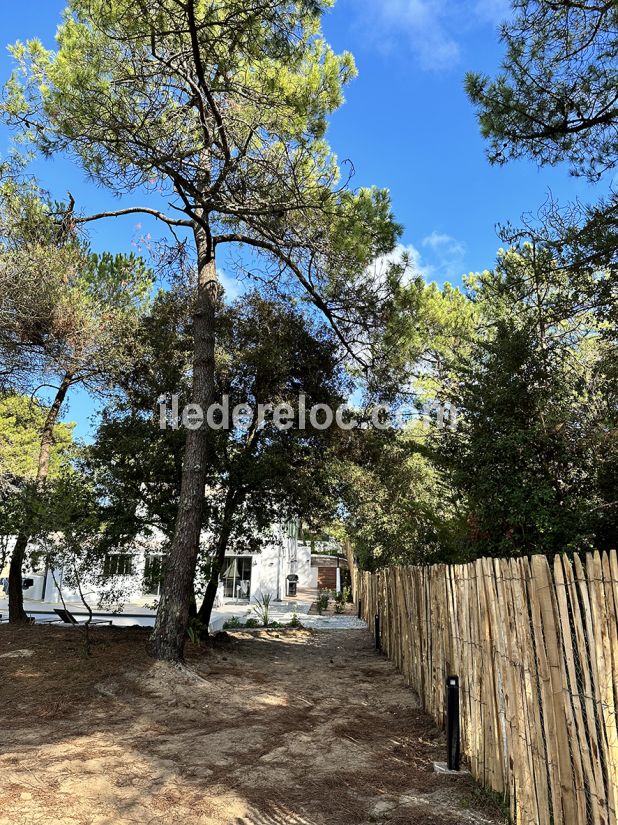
[{"x": 292, "y": 584}]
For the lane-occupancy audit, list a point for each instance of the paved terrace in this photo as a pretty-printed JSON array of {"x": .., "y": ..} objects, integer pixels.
[{"x": 137, "y": 614}]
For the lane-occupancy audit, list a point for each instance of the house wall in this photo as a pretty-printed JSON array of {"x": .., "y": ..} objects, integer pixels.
[
  {"x": 303, "y": 566},
  {"x": 267, "y": 566},
  {"x": 276, "y": 561},
  {"x": 269, "y": 572}
]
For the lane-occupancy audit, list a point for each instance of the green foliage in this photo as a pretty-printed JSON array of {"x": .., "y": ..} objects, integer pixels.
[
  {"x": 344, "y": 596},
  {"x": 277, "y": 81},
  {"x": 555, "y": 99},
  {"x": 63, "y": 309},
  {"x": 260, "y": 475},
  {"x": 529, "y": 462},
  {"x": 252, "y": 623},
  {"x": 481, "y": 797},
  {"x": 397, "y": 504},
  {"x": 223, "y": 109},
  {"x": 536, "y": 454},
  {"x": 323, "y": 600},
  {"x": 21, "y": 421},
  {"x": 137, "y": 464},
  {"x": 396, "y": 510},
  {"x": 255, "y": 54},
  {"x": 224, "y": 106},
  {"x": 262, "y": 608},
  {"x": 220, "y": 107},
  {"x": 63, "y": 312},
  {"x": 535, "y": 416},
  {"x": 232, "y": 624},
  {"x": 196, "y": 631},
  {"x": 295, "y": 621},
  {"x": 64, "y": 524}
]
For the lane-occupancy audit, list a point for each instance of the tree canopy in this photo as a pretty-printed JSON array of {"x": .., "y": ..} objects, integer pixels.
[
  {"x": 223, "y": 108},
  {"x": 556, "y": 101}
]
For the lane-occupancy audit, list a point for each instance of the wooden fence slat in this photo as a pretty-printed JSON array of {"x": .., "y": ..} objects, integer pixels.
[
  {"x": 531, "y": 727},
  {"x": 551, "y": 632},
  {"x": 509, "y": 691},
  {"x": 565, "y": 655},
  {"x": 581, "y": 734},
  {"x": 591, "y": 589},
  {"x": 586, "y": 687},
  {"x": 611, "y": 662},
  {"x": 496, "y": 777},
  {"x": 536, "y": 650}
]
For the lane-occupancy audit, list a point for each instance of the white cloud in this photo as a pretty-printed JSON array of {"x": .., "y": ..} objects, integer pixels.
[
  {"x": 414, "y": 260},
  {"x": 425, "y": 24},
  {"x": 233, "y": 289},
  {"x": 442, "y": 258},
  {"x": 432, "y": 27},
  {"x": 492, "y": 11},
  {"x": 444, "y": 245},
  {"x": 448, "y": 254}
]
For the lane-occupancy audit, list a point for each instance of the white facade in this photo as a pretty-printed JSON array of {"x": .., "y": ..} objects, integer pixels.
[{"x": 245, "y": 577}]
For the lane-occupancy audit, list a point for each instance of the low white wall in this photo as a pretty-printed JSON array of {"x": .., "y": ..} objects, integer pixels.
[
  {"x": 264, "y": 573},
  {"x": 303, "y": 567}
]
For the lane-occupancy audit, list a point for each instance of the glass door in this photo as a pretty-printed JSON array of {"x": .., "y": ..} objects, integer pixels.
[
  {"x": 237, "y": 577},
  {"x": 229, "y": 577},
  {"x": 243, "y": 584}
]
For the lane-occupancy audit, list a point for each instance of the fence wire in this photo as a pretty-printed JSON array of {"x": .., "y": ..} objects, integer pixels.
[{"x": 535, "y": 646}]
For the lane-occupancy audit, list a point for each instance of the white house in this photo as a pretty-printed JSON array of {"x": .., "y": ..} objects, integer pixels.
[{"x": 136, "y": 573}]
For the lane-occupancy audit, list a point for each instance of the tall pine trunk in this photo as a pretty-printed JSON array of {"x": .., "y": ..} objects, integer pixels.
[
  {"x": 17, "y": 614},
  {"x": 208, "y": 602},
  {"x": 225, "y": 531},
  {"x": 167, "y": 640}
]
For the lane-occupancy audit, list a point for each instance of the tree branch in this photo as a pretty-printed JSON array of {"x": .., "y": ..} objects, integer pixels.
[
  {"x": 135, "y": 210},
  {"x": 199, "y": 67},
  {"x": 316, "y": 298}
]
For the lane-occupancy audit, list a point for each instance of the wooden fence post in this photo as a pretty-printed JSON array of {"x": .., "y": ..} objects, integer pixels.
[{"x": 536, "y": 651}]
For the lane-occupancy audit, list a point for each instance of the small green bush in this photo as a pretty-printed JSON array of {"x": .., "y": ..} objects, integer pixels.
[
  {"x": 295, "y": 621},
  {"x": 323, "y": 599},
  {"x": 232, "y": 624},
  {"x": 252, "y": 623},
  {"x": 196, "y": 630}
]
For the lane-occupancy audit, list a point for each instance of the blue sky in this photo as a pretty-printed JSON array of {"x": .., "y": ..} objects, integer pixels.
[{"x": 406, "y": 125}]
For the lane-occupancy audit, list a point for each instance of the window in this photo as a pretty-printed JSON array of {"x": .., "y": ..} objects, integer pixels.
[{"x": 118, "y": 564}]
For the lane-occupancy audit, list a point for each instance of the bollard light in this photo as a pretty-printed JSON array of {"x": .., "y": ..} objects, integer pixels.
[{"x": 452, "y": 723}]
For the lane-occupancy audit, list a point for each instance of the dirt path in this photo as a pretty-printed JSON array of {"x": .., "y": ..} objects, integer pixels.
[{"x": 280, "y": 728}]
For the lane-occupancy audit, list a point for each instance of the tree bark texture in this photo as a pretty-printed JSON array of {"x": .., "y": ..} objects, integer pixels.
[
  {"x": 167, "y": 640},
  {"x": 208, "y": 602}
]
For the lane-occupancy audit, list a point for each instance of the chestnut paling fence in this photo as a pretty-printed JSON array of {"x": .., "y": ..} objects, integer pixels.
[{"x": 535, "y": 646}]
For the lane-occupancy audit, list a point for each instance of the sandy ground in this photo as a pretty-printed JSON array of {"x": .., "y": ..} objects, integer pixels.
[{"x": 264, "y": 728}]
